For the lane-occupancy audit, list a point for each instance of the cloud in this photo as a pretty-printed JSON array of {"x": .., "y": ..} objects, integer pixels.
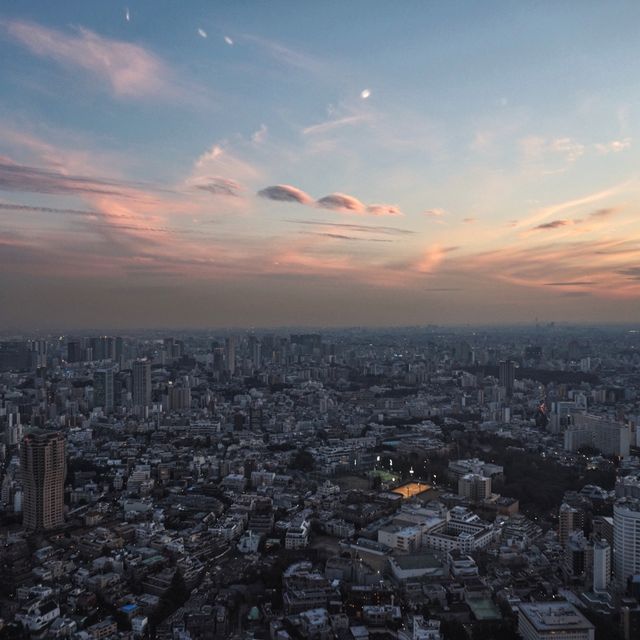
[
  {"x": 286, "y": 55},
  {"x": 431, "y": 259},
  {"x": 219, "y": 160},
  {"x": 341, "y": 202},
  {"x": 434, "y": 213},
  {"x": 336, "y": 123},
  {"x": 362, "y": 228},
  {"x": 220, "y": 186},
  {"x": 285, "y": 193},
  {"x": 603, "y": 213},
  {"x": 19, "y": 177},
  {"x": 631, "y": 272},
  {"x": 554, "y": 224},
  {"x": 614, "y": 146},
  {"x": 128, "y": 69},
  {"x": 469, "y": 220},
  {"x": 568, "y": 205},
  {"x": 552, "y": 155},
  {"x": 384, "y": 210},
  {"x": 567, "y": 147},
  {"x": 341, "y": 236},
  {"x": 6, "y": 206},
  {"x": 260, "y": 135},
  {"x": 570, "y": 283}
]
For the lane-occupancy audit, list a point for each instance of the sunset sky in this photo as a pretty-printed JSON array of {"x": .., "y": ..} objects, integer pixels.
[{"x": 239, "y": 163}]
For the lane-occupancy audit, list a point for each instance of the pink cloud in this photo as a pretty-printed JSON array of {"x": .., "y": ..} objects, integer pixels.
[
  {"x": 435, "y": 213},
  {"x": 285, "y": 193},
  {"x": 129, "y": 69},
  {"x": 384, "y": 210}
]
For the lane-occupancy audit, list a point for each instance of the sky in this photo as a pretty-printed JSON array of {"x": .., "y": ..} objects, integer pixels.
[{"x": 255, "y": 164}]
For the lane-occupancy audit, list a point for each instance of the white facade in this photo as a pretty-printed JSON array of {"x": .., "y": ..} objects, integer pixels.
[
  {"x": 601, "y": 565},
  {"x": 626, "y": 540},
  {"x": 608, "y": 436}
]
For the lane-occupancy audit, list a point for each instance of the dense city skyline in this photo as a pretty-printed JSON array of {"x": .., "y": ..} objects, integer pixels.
[{"x": 254, "y": 164}]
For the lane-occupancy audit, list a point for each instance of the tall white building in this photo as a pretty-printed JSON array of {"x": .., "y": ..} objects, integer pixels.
[
  {"x": 601, "y": 565},
  {"x": 626, "y": 540}
]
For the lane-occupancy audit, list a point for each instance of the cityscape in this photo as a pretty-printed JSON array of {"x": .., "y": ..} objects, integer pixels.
[
  {"x": 319, "y": 320},
  {"x": 423, "y": 483}
]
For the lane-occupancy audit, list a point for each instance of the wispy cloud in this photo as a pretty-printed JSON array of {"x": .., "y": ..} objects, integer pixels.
[
  {"x": 341, "y": 236},
  {"x": 434, "y": 213},
  {"x": 285, "y": 55},
  {"x": 220, "y": 186},
  {"x": 631, "y": 272},
  {"x": 384, "y": 210},
  {"x": 336, "y": 123},
  {"x": 260, "y": 135},
  {"x": 554, "y": 224},
  {"x": 128, "y": 69},
  {"x": 570, "y": 283},
  {"x": 569, "y": 205},
  {"x": 553, "y": 155},
  {"x": 614, "y": 146},
  {"x": 599, "y": 214},
  {"x": 24, "y": 178},
  {"x": 364, "y": 228},
  {"x": 23, "y": 208}
]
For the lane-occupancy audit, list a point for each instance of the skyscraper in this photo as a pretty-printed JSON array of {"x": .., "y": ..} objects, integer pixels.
[
  {"x": 507, "y": 374},
  {"x": 43, "y": 468},
  {"x": 230, "y": 348},
  {"x": 626, "y": 540},
  {"x": 141, "y": 383},
  {"x": 255, "y": 352},
  {"x": 103, "y": 389}
]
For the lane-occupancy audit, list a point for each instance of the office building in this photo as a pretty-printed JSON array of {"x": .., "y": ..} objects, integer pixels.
[
  {"x": 474, "y": 487},
  {"x": 570, "y": 519},
  {"x": 103, "y": 395},
  {"x": 507, "y": 374},
  {"x": 141, "y": 383},
  {"x": 552, "y": 620},
  {"x": 607, "y": 436},
  {"x": 74, "y": 351},
  {"x": 626, "y": 540},
  {"x": 230, "y": 354},
  {"x": 601, "y": 565},
  {"x": 43, "y": 470}
]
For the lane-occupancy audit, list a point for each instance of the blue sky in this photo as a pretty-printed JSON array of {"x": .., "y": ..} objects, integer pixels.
[{"x": 318, "y": 163}]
